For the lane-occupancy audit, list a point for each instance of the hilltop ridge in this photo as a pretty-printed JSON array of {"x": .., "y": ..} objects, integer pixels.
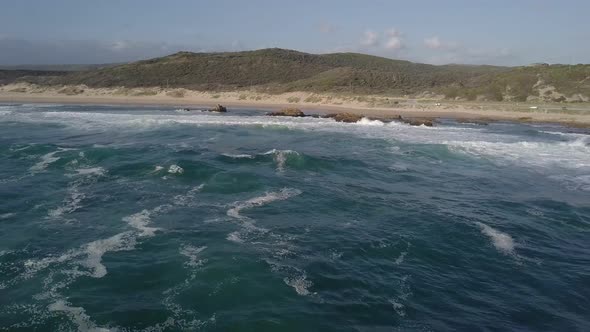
[{"x": 279, "y": 70}]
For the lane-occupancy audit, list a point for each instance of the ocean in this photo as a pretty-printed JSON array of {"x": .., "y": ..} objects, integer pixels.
[{"x": 128, "y": 218}]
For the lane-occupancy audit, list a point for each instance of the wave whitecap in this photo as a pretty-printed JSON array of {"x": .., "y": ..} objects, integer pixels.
[
  {"x": 268, "y": 197},
  {"x": 280, "y": 157},
  {"x": 503, "y": 242}
]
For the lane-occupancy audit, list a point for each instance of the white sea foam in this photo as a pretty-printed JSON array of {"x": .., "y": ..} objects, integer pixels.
[
  {"x": 404, "y": 293},
  {"x": 5, "y": 112},
  {"x": 45, "y": 161},
  {"x": 234, "y": 237},
  {"x": 73, "y": 202},
  {"x": 402, "y": 255},
  {"x": 573, "y": 154},
  {"x": 299, "y": 283},
  {"x": 398, "y": 307},
  {"x": 268, "y": 197},
  {"x": 70, "y": 203},
  {"x": 94, "y": 171},
  {"x": 89, "y": 257},
  {"x": 399, "y": 167},
  {"x": 33, "y": 266},
  {"x": 96, "y": 249},
  {"x": 280, "y": 157},
  {"x": 369, "y": 122},
  {"x": 193, "y": 255},
  {"x": 175, "y": 169},
  {"x": 238, "y": 156},
  {"x": 502, "y": 241},
  {"x": 140, "y": 221},
  {"x": 185, "y": 318},
  {"x": 77, "y": 315},
  {"x": 7, "y": 215},
  {"x": 481, "y": 142},
  {"x": 400, "y": 258}
]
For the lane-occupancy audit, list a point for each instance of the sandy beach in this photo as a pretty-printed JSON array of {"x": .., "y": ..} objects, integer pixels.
[{"x": 574, "y": 115}]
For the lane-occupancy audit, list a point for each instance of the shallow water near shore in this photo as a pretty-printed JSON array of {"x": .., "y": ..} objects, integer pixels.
[{"x": 120, "y": 218}]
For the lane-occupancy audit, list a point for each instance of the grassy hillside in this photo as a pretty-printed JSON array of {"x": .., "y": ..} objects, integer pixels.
[
  {"x": 278, "y": 70},
  {"x": 10, "y": 76}
]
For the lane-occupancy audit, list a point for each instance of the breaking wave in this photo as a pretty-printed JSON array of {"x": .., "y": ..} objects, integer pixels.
[
  {"x": 268, "y": 197},
  {"x": 280, "y": 157},
  {"x": 503, "y": 242}
]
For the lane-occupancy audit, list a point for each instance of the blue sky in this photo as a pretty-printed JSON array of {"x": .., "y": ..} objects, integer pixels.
[{"x": 501, "y": 32}]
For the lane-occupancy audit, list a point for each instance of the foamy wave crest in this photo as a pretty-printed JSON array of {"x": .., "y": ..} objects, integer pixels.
[
  {"x": 157, "y": 169},
  {"x": 77, "y": 315},
  {"x": 45, "y": 161},
  {"x": 189, "y": 197},
  {"x": 502, "y": 241},
  {"x": 234, "y": 237},
  {"x": 402, "y": 255},
  {"x": 193, "y": 255},
  {"x": 404, "y": 293},
  {"x": 140, "y": 221},
  {"x": 87, "y": 260},
  {"x": 7, "y": 215},
  {"x": 268, "y": 197},
  {"x": 572, "y": 154},
  {"x": 175, "y": 169},
  {"x": 5, "y": 112},
  {"x": 369, "y": 122},
  {"x": 186, "y": 318},
  {"x": 73, "y": 202},
  {"x": 96, "y": 249},
  {"x": 70, "y": 203},
  {"x": 93, "y": 251},
  {"x": 238, "y": 156},
  {"x": 300, "y": 284},
  {"x": 280, "y": 157},
  {"x": 91, "y": 171},
  {"x": 478, "y": 141}
]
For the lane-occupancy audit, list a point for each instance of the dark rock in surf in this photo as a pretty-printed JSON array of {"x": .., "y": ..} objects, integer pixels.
[
  {"x": 293, "y": 112},
  {"x": 344, "y": 117},
  {"x": 218, "y": 108},
  {"x": 428, "y": 122}
]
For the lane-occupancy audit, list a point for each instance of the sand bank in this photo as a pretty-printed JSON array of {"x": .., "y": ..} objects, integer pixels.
[{"x": 577, "y": 115}]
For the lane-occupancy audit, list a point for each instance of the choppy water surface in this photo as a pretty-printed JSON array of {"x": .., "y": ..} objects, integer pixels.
[{"x": 147, "y": 219}]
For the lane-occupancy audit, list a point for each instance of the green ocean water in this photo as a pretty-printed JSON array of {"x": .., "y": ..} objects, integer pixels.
[{"x": 118, "y": 218}]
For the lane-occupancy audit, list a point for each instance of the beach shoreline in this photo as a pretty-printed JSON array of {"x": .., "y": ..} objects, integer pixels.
[{"x": 410, "y": 108}]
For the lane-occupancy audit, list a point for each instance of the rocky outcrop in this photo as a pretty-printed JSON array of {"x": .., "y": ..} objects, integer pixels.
[
  {"x": 294, "y": 112},
  {"x": 219, "y": 108},
  {"x": 344, "y": 117},
  {"x": 428, "y": 122}
]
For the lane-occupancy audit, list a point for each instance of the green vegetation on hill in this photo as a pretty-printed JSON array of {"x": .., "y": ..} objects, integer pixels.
[
  {"x": 278, "y": 70},
  {"x": 10, "y": 76}
]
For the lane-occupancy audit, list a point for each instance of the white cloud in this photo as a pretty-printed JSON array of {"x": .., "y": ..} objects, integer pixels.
[
  {"x": 371, "y": 38},
  {"x": 394, "y": 40},
  {"x": 435, "y": 43}
]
